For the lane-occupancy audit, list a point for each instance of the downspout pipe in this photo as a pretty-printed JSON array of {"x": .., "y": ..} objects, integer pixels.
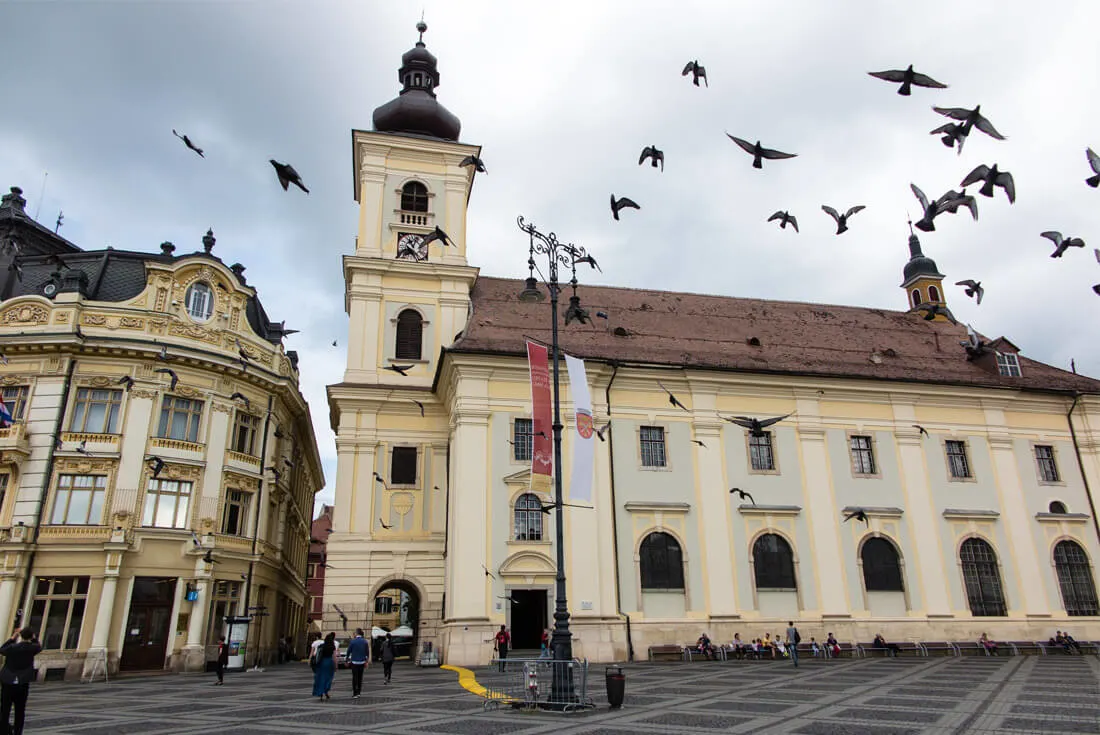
[
  {"x": 614, "y": 514},
  {"x": 60, "y": 422},
  {"x": 256, "y": 523},
  {"x": 1081, "y": 465}
]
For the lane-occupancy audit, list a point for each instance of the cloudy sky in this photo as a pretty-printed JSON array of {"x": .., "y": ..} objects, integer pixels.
[{"x": 562, "y": 96}]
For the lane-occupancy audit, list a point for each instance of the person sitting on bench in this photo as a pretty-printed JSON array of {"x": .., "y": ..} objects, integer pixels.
[
  {"x": 831, "y": 646},
  {"x": 704, "y": 646},
  {"x": 989, "y": 646},
  {"x": 892, "y": 648}
]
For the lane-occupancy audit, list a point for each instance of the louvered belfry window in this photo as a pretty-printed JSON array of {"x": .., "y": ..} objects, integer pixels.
[{"x": 410, "y": 333}]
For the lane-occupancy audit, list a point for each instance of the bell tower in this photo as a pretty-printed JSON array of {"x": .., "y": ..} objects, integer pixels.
[{"x": 922, "y": 281}]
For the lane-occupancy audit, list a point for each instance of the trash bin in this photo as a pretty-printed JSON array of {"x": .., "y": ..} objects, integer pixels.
[{"x": 616, "y": 686}]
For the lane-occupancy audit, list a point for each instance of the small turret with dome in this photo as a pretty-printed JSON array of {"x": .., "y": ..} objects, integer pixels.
[
  {"x": 923, "y": 282},
  {"x": 415, "y": 110}
]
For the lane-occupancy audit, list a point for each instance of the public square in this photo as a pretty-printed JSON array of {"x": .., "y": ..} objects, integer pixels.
[{"x": 1026, "y": 694}]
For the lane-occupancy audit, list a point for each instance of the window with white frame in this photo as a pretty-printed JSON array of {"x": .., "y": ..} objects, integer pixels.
[
  {"x": 180, "y": 419},
  {"x": 1048, "y": 468},
  {"x": 200, "y": 301},
  {"x": 15, "y": 398},
  {"x": 957, "y": 463},
  {"x": 79, "y": 500},
  {"x": 528, "y": 518},
  {"x": 167, "y": 503},
  {"x": 95, "y": 411},
  {"x": 245, "y": 428},
  {"x": 235, "y": 516},
  {"x": 652, "y": 439},
  {"x": 863, "y": 455},
  {"x": 57, "y": 611},
  {"x": 761, "y": 457},
  {"x": 521, "y": 439},
  {"x": 225, "y": 600},
  {"x": 1008, "y": 364}
]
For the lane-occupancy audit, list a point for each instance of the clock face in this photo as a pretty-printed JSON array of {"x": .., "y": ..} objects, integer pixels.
[
  {"x": 411, "y": 247},
  {"x": 49, "y": 289}
]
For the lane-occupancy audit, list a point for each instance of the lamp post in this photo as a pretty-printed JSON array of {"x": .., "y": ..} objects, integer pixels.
[{"x": 558, "y": 253}]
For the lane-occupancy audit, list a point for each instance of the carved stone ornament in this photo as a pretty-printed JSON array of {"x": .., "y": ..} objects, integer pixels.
[
  {"x": 131, "y": 322},
  {"x": 14, "y": 380},
  {"x": 401, "y": 503},
  {"x": 97, "y": 381},
  {"x": 142, "y": 393},
  {"x": 188, "y": 391},
  {"x": 61, "y": 317},
  {"x": 221, "y": 408},
  {"x": 172, "y": 471},
  {"x": 26, "y": 314},
  {"x": 72, "y": 465},
  {"x": 206, "y": 525},
  {"x": 94, "y": 320},
  {"x": 192, "y": 331}
]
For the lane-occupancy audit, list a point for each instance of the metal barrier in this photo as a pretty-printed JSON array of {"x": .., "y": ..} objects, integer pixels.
[{"x": 536, "y": 684}]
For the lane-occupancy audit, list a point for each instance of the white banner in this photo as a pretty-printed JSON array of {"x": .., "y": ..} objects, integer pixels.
[{"x": 580, "y": 487}]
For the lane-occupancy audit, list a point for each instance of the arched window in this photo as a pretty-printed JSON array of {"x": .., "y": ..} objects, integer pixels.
[
  {"x": 1057, "y": 506},
  {"x": 933, "y": 294},
  {"x": 773, "y": 563},
  {"x": 410, "y": 332},
  {"x": 414, "y": 197},
  {"x": 200, "y": 301},
  {"x": 662, "y": 563},
  {"x": 983, "y": 579},
  {"x": 1075, "y": 579},
  {"x": 528, "y": 518},
  {"x": 916, "y": 297},
  {"x": 881, "y": 566}
]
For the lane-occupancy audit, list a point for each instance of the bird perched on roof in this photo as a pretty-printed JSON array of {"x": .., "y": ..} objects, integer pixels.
[
  {"x": 859, "y": 514},
  {"x": 759, "y": 152},
  {"x": 697, "y": 72},
  {"x": 242, "y": 398},
  {"x": 952, "y": 200},
  {"x": 617, "y": 204},
  {"x": 973, "y": 288},
  {"x": 437, "y": 234},
  {"x": 654, "y": 155},
  {"x": 931, "y": 210},
  {"x": 742, "y": 494},
  {"x": 400, "y": 369},
  {"x": 908, "y": 78},
  {"x": 57, "y": 261},
  {"x": 287, "y": 175},
  {"x": 931, "y": 311},
  {"x": 1094, "y": 164},
  {"x": 755, "y": 426},
  {"x": 1061, "y": 243},
  {"x": 992, "y": 177},
  {"x": 187, "y": 142},
  {"x": 127, "y": 381},
  {"x": 784, "y": 218},
  {"x": 171, "y": 374},
  {"x": 970, "y": 119},
  {"x": 973, "y": 344},
  {"x": 474, "y": 161},
  {"x": 242, "y": 355},
  {"x": 841, "y": 219}
]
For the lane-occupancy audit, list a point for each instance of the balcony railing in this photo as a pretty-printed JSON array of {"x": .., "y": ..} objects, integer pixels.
[
  {"x": 74, "y": 533},
  {"x": 78, "y": 437},
  {"x": 422, "y": 219},
  {"x": 244, "y": 459},
  {"x": 178, "y": 444}
]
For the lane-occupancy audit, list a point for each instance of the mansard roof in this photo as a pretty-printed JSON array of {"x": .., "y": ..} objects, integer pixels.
[{"x": 746, "y": 335}]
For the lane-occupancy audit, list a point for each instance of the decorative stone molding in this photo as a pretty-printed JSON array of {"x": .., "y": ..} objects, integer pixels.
[
  {"x": 191, "y": 331},
  {"x": 970, "y": 515},
  {"x": 875, "y": 511},
  {"x": 94, "y": 320},
  {"x": 1062, "y": 517},
  {"x": 131, "y": 322},
  {"x": 81, "y": 466},
  {"x": 97, "y": 381},
  {"x": 402, "y": 503},
  {"x": 635, "y": 506},
  {"x": 178, "y": 444},
  {"x": 61, "y": 317},
  {"x": 221, "y": 408},
  {"x": 14, "y": 380},
  {"x": 769, "y": 510},
  {"x": 173, "y": 471},
  {"x": 25, "y": 314},
  {"x": 70, "y": 436},
  {"x": 142, "y": 393}
]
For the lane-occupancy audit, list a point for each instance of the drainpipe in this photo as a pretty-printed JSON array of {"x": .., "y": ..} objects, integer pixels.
[
  {"x": 45, "y": 487},
  {"x": 256, "y": 526},
  {"x": 614, "y": 514},
  {"x": 1080, "y": 464}
]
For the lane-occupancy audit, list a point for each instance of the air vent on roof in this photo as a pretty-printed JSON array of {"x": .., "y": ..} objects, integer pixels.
[
  {"x": 621, "y": 332},
  {"x": 645, "y": 307},
  {"x": 754, "y": 341},
  {"x": 890, "y": 352}
]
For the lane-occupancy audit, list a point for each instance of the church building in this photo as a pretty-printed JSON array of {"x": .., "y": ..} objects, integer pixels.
[{"x": 971, "y": 463}]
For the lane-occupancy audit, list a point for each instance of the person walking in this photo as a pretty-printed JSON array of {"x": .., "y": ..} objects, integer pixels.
[
  {"x": 793, "y": 639},
  {"x": 358, "y": 658},
  {"x": 16, "y": 676},
  {"x": 501, "y": 641},
  {"x": 223, "y": 660},
  {"x": 325, "y": 658},
  {"x": 387, "y": 657}
]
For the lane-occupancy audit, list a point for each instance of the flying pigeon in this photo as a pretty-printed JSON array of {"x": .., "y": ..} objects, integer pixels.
[
  {"x": 742, "y": 494},
  {"x": 673, "y": 399},
  {"x": 696, "y": 70},
  {"x": 973, "y": 344},
  {"x": 859, "y": 514},
  {"x": 187, "y": 142},
  {"x": 439, "y": 235},
  {"x": 242, "y": 398},
  {"x": 343, "y": 617},
  {"x": 952, "y": 200},
  {"x": 602, "y": 431},
  {"x": 127, "y": 381},
  {"x": 378, "y": 478},
  {"x": 970, "y": 119},
  {"x": 400, "y": 369},
  {"x": 931, "y": 311},
  {"x": 419, "y": 404},
  {"x": 654, "y": 155},
  {"x": 1094, "y": 164},
  {"x": 474, "y": 161},
  {"x": 1061, "y": 243},
  {"x": 384, "y": 524},
  {"x": 274, "y": 471},
  {"x": 921, "y": 429},
  {"x": 242, "y": 355},
  {"x": 172, "y": 374},
  {"x": 590, "y": 260},
  {"x": 700, "y": 443},
  {"x": 952, "y": 134},
  {"x": 163, "y": 354},
  {"x": 82, "y": 448},
  {"x": 287, "y": 175},
  {"x": 758, "y": 151},
  {"x": 992, "y": 177},
  {"x": 841, "y": 219},
  {"x": 755, "y": 426},
  {"x": 931, "y": 210},
  {"x": 157, "y": 464},
  {"x": 907, "y": 78},
  {"x": 487, "y": 572},
  {"x": 784, "y": 218},
  {"x": 973, "y": 288},
  {"x": 208, "y": 557},
  {"x": 616, "y": 205}
]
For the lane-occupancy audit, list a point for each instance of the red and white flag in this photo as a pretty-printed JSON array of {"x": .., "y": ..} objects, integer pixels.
[{"x": 542, "y": 448}]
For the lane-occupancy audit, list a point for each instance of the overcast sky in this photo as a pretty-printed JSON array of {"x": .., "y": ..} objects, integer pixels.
[{"x": 562, "y": 96}]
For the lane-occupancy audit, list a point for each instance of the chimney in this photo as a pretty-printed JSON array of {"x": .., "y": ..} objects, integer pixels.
[{"x": 14, "y": 201}]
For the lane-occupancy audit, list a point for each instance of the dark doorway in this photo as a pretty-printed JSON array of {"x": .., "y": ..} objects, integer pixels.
[
  {"x": 529, "y": 616},
  {"x": 397, "y": 611},
  {"x": 149, "y": 624}
]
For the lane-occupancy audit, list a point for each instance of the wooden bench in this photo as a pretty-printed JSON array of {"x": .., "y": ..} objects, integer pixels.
[
  {"x": 692, "y": 652},
  {"x": 939, "y": 648},
  {"x": 667, "y": 651}
]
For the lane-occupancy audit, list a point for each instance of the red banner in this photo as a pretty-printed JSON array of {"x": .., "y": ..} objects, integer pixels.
[{"x": 541, "y": 447}]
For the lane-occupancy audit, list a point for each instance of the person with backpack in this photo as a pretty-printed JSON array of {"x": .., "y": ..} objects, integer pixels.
[
  {"x": 16, "y": 676},
  {"x": 324, "y": 659},
  {"x": 793, "y": 639},
  {"x": 388, "y": 656}
]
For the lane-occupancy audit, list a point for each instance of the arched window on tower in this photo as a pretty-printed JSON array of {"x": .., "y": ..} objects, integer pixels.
[
  {"x": 984, "y": 590},
  {"x": 1057, "y": 506},
  {"x": 773, "y": 563},
  {"x": 661, "y": 562},
  {"x": 916, "y": 297},
  {"x": 410, "y": 333},
  {"x": 933, "y": 294},
  {"x": 528, "y": 518},
  {"x": 1075, "y": 579},
  {"x": 881, "y": 566},
  {"x": 414, "y": 197}
]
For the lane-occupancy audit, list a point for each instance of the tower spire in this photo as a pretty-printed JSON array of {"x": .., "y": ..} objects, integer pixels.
[{"x": 922, "y": 280}]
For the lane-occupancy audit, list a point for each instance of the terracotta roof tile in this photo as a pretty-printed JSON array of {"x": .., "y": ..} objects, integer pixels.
[{"x": 700, "y": 331}]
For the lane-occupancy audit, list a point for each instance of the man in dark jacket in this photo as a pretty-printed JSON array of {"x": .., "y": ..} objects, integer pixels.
[
  {"x": 16, "y": 676},
  {"x": 387, "y": 657},
  {"x": 358, "y": 656},
  {"x": 223, "y": 659}
]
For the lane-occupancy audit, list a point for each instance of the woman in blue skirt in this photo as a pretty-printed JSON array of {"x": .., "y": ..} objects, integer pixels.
[{"x": 325, "y": 669}]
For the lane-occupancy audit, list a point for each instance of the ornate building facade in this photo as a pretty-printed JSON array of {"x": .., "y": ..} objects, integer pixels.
[
  {"x": 160, "y": 472},
  {"x": 972, "y": 464}
]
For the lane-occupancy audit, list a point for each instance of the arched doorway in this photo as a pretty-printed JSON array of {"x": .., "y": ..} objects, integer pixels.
[{"x": 396, "y": 610}]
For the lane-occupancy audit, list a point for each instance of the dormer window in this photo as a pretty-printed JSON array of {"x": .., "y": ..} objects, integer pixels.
[
  {"x": 200, "y": 301},
  {"x": 414, "y": 197},
  {"x": 1008, "y": 364}
]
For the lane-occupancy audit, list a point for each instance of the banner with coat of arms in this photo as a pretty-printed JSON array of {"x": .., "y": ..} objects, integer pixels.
[
  {"x": 542, "y": 447},
  {"x": 580, "y": 487}
]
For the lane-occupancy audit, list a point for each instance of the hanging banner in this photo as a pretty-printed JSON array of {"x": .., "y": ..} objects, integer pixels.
[
  {"x": 542, "y": 462},
  {"x": 580, "y": 486}
]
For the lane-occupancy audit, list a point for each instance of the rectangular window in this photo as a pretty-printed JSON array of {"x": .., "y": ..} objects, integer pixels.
[
  {"x": 57, "y": 611},
  {"x": 79, "y": 500},
  {"x": 653, "y": 446},
  {"x": 311, "y": 571},
  {"x": 957, "y": 463},
  {"x": 235, "y": 517},
  {"x": 167, "y": 503},
  {"x": 95, "y": 411},
  {"x": 1008, "y": 364},
  {"x": 224, "y": 601},
  {"x": 1048, "y": 470},
  {"x": 15, "y": 398},
  {"x": 760, "y": 452},
  {"x": 245, "y": 428},
  {"x": 863, "y": 455},
  {"x": 180, "y": 418},
  {"x": 521, "y": 439},
  {"x": 383, "y": 605},
  {"x": 403, "y": 466},
  {"x": 4, "y": 479}
]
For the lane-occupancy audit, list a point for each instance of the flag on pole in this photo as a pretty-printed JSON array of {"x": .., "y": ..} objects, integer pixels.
[
  {"x": 6, "y": 419},
  {"x": 580, "y": 486},
  {"x": 542, "y": 462}
]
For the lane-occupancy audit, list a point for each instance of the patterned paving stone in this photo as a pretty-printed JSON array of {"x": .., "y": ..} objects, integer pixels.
[
  {"x": 801, "y": 696},
  {"x": 350, "y": 717},
  {"x": 836, "y": 728},
  {"x": 917, "y": 702},
  {"x": 482, "y": 726},
  {"x": 1083, "y": 712},
  {"x": 759, "y": 708},
  {"x": 881, "y": 713},
  {"x": 1061, "y": 726},
  {"x": 127, "y": 728},
  {"x": 685, "y": 719}
]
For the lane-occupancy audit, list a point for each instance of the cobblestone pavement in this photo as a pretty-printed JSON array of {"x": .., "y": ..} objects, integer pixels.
[{"x": 1034, "y": 694}]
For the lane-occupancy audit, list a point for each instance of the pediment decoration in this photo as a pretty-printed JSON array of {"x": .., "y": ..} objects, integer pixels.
[
  {"x": 237, "y": 481},
  {"x": 180, "y": 472},
  {"x": 26, "y": 314},
  {"x": 526, "y": 564},
  {"x": 518, "y": 479},
  {"x": 177, "y": 329},
  {"x": 79, "y": 466}
]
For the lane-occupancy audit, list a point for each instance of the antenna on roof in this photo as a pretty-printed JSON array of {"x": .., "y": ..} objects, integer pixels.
[
  {"x": 41, "y": 194},
  {"x": 910, "y": 221}
]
